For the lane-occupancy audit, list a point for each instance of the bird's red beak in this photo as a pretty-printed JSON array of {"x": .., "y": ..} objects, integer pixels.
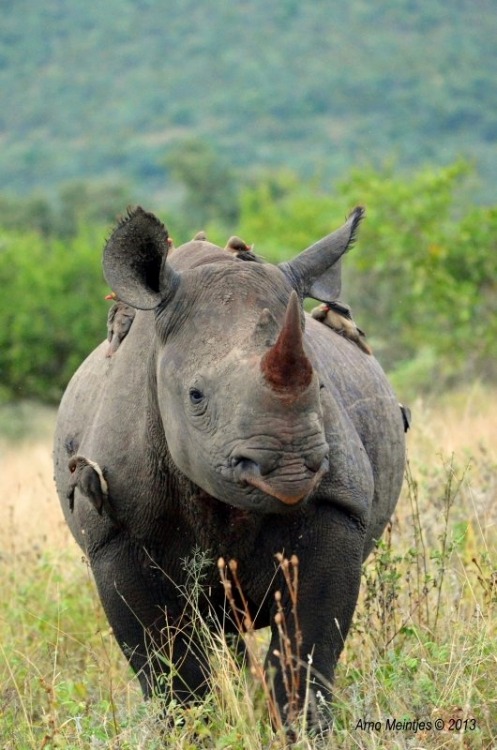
[{"x": 112, "y": 295}]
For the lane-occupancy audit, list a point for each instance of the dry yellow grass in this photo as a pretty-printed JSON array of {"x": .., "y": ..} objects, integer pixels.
[
  {"x": 462, "y": 423},
  {"x": 460, "y": 429},
  {"x": 30, "y": 513}
]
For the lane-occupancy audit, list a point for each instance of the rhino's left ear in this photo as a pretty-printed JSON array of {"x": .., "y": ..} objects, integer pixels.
[
  {"x": 134, "y": 261},
  {"x": 316, "y": 272}
]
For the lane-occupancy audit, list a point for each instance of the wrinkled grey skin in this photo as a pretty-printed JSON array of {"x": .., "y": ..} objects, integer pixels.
[{"x": 203, "y": 452}]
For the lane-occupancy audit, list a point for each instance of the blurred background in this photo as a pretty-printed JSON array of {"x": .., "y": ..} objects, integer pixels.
[{"x": 269, "y": 121}]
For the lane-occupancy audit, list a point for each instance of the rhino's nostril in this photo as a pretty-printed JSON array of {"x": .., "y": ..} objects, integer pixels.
[
  {"x": 255, "y": 461},
  {"x": 317, "y": 460},
  {"x": 240, "y": 461},
  {"x": 243, "y": 468}
]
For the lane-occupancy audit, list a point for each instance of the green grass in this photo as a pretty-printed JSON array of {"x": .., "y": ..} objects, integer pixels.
[{"x": 421, "y": 649}]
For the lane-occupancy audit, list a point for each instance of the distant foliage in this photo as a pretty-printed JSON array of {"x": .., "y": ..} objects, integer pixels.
[
  {"x": 52, "y": 311},
  {"x": 425, "y": 274},
  {"x": 422, "y": 280},
  {"x": 210, "y": 185},
  {"x": 76, "y": 204}
]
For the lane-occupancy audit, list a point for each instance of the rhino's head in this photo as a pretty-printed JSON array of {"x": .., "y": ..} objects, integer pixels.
[{"x": 238, "y": 397}]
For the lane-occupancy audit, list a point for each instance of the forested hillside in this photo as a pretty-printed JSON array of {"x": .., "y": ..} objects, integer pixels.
[
  {"x": 108, "y": 90},
  {"x": 266, "y": 120}
]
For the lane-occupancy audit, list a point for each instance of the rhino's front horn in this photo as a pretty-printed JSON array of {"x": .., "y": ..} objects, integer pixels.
[{"x": 285, "y": 366}]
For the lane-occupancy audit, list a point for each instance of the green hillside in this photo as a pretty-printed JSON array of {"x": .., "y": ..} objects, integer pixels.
[{"x": 106, "y": 90}]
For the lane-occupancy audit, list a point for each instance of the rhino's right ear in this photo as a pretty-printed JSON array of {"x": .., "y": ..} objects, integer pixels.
[
  {"x": 134, "y": 261},
  {"x": 316, "y": 271}
]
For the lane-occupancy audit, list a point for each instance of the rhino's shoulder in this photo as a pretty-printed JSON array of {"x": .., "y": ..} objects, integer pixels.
[{"x": 106, "y": 392}]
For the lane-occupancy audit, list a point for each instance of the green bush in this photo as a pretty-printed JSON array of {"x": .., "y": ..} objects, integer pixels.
[
  {"x": 52, "y": 311},
  {"x": 422, "y": 280}
]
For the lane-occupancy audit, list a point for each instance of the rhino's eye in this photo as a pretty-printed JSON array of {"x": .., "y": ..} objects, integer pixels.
[{"x": 196, "y": 396}]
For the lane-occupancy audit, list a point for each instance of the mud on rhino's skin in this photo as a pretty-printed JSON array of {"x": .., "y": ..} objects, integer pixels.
[{"x": 232, "y": 424}]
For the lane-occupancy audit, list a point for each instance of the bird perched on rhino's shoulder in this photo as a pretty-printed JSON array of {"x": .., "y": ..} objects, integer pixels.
[
  {"x": 89, "y": 478},
  {"x": 240, "y": 249},
  {"x": 338, "y": 316},
  {"x": 200, "y": 236},
  {"x": 119, "y": 320}
]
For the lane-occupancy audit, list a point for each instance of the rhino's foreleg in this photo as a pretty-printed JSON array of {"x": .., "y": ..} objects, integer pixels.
[
  {"x": 329, "y": 573},
  {"x": 149, "y": 621}
]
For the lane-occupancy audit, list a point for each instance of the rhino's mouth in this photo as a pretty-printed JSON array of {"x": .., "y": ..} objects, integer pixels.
[{"x": 290, "y": 488}]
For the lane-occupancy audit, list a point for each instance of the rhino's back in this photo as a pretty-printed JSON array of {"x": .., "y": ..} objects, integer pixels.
[{"x": 360, "y": 386}]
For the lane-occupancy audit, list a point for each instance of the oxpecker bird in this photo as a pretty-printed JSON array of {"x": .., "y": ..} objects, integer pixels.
[
  {"x": 119, "y": 320},
  {"x": 337, "y": 316},
  {"x": 89, "y": 478},
  {"x": 240, "y": 249}
]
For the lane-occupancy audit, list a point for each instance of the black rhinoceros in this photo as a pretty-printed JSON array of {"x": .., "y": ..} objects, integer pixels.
[{"x": 231, "y": 423}]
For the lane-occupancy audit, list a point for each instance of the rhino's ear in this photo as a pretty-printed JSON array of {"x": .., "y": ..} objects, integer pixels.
[
  {"x": 134, "y": 261},
  {"x": 316, "y": 272}
]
